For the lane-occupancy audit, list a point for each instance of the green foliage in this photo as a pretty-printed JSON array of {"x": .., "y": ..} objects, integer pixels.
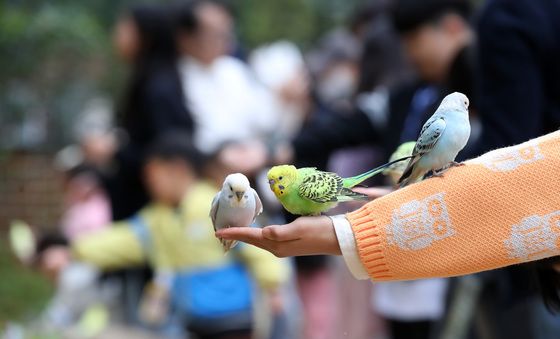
[
  {"x": 49, "y": 33},
  {"x": 23, "y": 293},
  {"x": 265, "y": 20},
  {"x": 301, "y": 21},
  {"x": 53, "y": 57}
]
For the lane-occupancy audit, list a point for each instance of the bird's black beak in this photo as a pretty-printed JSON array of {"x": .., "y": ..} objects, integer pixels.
[
  {"x": 239, "y": 195},
  {"x": 271, "y": 182}
]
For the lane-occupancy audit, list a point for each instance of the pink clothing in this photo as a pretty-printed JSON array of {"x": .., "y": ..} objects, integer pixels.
[
  {"x": 86, "y": 216},
  {"x": 317, "y": 290}
]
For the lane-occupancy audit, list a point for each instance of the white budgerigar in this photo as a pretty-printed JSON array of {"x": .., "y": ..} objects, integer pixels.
[
  {"x": 442, "y": 137},
  {"x": 236, "y": 205}
]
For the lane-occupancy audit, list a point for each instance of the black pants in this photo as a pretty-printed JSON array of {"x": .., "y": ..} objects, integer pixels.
[
  {"x": 409, "y": 329},
  {"x": 235, "y": 326},
  {"x": 233, "y": 334}
]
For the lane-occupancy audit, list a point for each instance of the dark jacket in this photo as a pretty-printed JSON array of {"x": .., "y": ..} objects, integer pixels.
[
  {"x": 158, "y": 108},
  {"x": 519, "y": 67}
]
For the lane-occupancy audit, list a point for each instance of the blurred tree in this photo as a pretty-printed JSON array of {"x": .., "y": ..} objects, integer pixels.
[
  {"x": 56, "y": 55},
  {"x": 23, "y": 293},
  {"x": 52, "y": 60},
  {"x": 261, "y": 21},
  {"x": 301, "y": 21}
]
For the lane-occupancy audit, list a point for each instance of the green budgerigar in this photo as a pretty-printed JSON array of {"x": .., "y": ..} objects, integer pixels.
[
  {"x": 308, "y": 191},
  {"x": 395, "y": 171}
]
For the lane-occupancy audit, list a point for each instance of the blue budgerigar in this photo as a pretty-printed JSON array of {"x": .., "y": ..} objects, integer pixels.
[{"x": 442, "y": 137}]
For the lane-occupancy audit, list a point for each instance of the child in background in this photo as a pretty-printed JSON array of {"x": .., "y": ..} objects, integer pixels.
[
  {"x": 174, "y": 235},
  {"x": 87, "y": 207}
]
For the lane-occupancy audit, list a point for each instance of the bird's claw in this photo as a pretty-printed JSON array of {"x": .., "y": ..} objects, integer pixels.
[{"x": 438, "y": 174}]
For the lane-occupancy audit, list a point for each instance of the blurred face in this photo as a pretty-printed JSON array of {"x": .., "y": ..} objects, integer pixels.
[
  {"x": 338, "y": 82},
  {"x": 53, "y": 261},
  {"x": 126, "y": 39},
  {"x": 79, "y": 188},
  {"x": 166, "y": 180},
  {"x": 213, "y": 37},
  {"x": 431, "y": 48}
]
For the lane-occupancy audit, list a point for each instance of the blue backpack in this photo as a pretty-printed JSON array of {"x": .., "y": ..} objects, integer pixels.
[{"x": 204, "y": 293}]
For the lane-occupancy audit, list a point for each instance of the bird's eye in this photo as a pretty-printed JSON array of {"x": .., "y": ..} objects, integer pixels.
[
  {"x": 466, "y": 103},
  {"x": 231, "y": 188},
  {"x": 279, "y": 178}
]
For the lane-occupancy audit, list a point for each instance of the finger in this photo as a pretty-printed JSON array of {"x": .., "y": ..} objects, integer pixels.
[
  {"x": 253, "y": 236},
  {"x": 282, "y": 232},
  {"x": 247, "y": 235},
  {"x": 240, "y": 233},
  {"x": 373, "y": 192}
]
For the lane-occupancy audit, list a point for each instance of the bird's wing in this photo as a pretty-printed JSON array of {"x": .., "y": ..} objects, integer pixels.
[
  {"x": 258, "y": 204},
  {"x": 431, "y": 132},
  {"x": 321, "y": 186},
  {"x": 214, "y": 209},
  {"x": 429, "y": 136}
]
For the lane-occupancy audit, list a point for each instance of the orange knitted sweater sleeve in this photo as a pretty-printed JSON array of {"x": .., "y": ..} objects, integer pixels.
[{"x": 500, "y": 209}]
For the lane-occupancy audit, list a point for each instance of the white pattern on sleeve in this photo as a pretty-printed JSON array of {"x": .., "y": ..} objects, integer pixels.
[{"x": 348, "y": 247}]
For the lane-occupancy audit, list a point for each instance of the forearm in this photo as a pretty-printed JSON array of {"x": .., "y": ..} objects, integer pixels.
[
  {"x": 110, "y": 249},
  {"x": 497, "y": 210}
]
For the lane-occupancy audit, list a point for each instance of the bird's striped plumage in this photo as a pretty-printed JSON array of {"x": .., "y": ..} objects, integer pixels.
[{"x": 308, "y": 191}]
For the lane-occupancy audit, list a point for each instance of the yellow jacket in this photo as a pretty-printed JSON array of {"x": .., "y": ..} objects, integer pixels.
[{"x": 181, "y": 239}]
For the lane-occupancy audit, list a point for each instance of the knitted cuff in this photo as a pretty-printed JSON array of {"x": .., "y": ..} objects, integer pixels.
[{"x": 368, "y": 235}]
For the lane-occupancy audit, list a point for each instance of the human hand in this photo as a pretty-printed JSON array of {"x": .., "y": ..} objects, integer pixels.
[
  {"x": 373, "y": 192},
  {"x": 304, "y": 236}
]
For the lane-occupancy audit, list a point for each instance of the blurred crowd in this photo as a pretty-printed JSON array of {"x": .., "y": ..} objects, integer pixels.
[{"x": 136, "y": 245}]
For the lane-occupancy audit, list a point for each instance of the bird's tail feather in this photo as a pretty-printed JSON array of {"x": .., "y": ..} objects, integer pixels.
[
  {"x": 411, "y": 175},
  {"x": 407, "y": 172},
  {"x": 349, "y": 195},
  {"x": 228, "y": 244},
  {"x": 358, "y": 179}
]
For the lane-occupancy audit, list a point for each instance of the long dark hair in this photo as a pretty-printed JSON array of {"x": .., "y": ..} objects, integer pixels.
[
  {"x": 185, "y": 16},
  {"x": 157, "y": 55},
  {"x": 153, "y": 104},
  {"x": 382, "y": 61}
]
